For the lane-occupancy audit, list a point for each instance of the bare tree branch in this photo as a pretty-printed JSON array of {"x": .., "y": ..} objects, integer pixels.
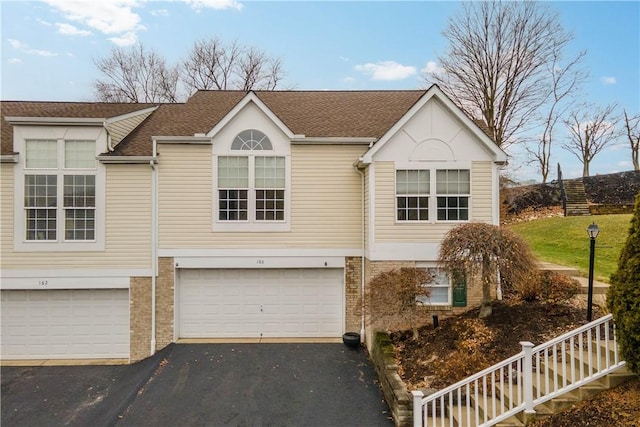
[
  {"x": 213, "y": 65},
  {"x": 496, "y": 65},
  {"x": 591, "y": 130},
  {"x": 566, "y": 80},
  {"x": 632, "y": 132},
  {"x": 135, "y": 75}
]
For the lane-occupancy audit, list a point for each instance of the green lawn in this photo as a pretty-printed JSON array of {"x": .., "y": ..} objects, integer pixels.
[{"x": 564, "y": 241}]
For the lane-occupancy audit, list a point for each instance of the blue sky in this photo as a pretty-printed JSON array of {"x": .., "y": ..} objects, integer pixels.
[{"x": 48, "y": 47}]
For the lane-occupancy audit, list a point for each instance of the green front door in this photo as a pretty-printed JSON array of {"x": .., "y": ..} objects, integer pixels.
[{"x": 459, "y": 290}]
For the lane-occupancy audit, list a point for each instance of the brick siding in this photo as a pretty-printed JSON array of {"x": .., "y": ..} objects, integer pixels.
[{"x": 139, "y": 318}]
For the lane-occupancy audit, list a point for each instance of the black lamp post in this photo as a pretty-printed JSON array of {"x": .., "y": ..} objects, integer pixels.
[{"x": 593, "y": 231}]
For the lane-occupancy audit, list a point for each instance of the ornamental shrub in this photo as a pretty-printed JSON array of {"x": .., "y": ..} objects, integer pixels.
[{"x": 623, "y": 297}]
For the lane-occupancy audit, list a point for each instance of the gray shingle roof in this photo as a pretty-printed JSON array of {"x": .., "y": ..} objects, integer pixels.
[
  {"x": 57, "y": 109},
  {"x": 310, "y": 113}
]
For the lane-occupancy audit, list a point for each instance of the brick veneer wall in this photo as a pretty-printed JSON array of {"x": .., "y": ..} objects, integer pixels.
[
  {"x": 474, "y": 295},
  {"x": 353, "y": 294},
  {"x": 165, "y": 286},
  {"x": 139, "y": 318}
]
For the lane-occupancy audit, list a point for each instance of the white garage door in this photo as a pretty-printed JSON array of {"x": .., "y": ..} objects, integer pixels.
[
  {"x": 253, "y": 303},
  {"x": 65, "y": 324}
]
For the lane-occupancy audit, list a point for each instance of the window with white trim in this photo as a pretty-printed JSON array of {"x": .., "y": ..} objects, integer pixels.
[
  {"x": 59, "y": 190},
  {"x": 251, "y": 183},
  {"x": 412, "y": 195},
  {"x": 453, "y": 188},
  {"x": 439, "y": 288}
]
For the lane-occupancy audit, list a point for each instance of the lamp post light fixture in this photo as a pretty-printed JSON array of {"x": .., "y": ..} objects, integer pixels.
[{"x": 593, "y": 232}]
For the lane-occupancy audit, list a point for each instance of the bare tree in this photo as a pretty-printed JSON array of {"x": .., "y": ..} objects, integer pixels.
[
  {"x": 135, "y": 75},
  {"x": 489, "y": 249},
  {"x": 632, "y": 132},
  {"x": 591, "y": 130},
  {"x": 212, "y": 64},
  {"x": 565, "y": 78},
  {"x": 496, "y": 64}
]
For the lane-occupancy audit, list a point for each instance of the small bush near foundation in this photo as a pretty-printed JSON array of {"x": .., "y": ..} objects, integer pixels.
[{"x": 548, "y": 286}]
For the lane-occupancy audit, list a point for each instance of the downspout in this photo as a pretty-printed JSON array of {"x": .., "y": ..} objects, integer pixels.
[
  {"x": 362, "y": 279},
  {"x": 154, "y": 243}
]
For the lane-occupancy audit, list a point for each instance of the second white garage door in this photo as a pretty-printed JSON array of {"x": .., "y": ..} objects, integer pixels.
[
  {"x": 254, "y": 303},
  {"x": 65, "y": 324}
]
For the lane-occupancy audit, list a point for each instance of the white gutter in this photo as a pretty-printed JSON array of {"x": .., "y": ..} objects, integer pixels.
[
  {"x": 154, "y": 244},
  {"x": 62, "y": 121},
  {"x": 9, "y": 158},
  {"x": 127, "y": 159},
  {"x": 362, "y": 278}
]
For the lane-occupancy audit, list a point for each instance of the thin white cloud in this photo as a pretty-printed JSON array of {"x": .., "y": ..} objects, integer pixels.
[
  {"x": 126, "y": 39},
  {"x": 17, "y": 44},
  {"x": 608, "y": 80},
  {"x": 432, "y": 68},
  {"x": 386, "y": 70},
  {"x": 349, "y": 80},
  {"x": 160, "y": 12},
  {"x": 71, "y": 30},
  {"x": 214, "y": 4},
  {"x": 108, "y": 17},
  {"x": 344, "y": 58},
  {"x": 43, "y": 22},
  {"x": 15, "y": 61},
  {"x": 24, "y": 47}
]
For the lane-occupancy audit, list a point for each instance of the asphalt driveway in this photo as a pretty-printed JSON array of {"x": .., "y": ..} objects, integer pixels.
[{"x": 203, "y": 385}]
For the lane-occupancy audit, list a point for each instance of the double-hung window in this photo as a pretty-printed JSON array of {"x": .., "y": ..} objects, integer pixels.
[
  {"x": 453, "y": 188},
  {"x": 415, "y": 189},
  {"x": 60, "y": 190},
  {"x": 412, "y": 195},
  {"x": 252, "y": 181},
  {"x": 439, "y": 288}
]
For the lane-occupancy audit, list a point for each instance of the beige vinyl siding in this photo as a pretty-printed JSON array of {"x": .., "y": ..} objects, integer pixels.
[
  {"x": 325, "y": 200},
  {"x": 184, "y": 195},
  {"x": 388, "y": 230},
  {"x": 118, "y": 130},
  {"x": 481, "y": 191},
  {"x": 127, "y": 227},
  {"x": 6, "y": 211}
]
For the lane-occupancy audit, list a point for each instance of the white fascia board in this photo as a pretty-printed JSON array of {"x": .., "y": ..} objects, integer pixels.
[
  {"x": 60, "y": 121},
  {"x": 251, "y": 97},
  {"x": 131, "y": 114},
  {"x": 127, "y": 159},
  {"x": 71, "y": 279},
  {"x": 260, "y": 262},
  {"x": 332, "y": 140},
  {"x": 499, "y": 156},
  {"x": 9, "y": 158},
  {"x": 198, "y": 140},
  {"x": 427, "y": 251},
  {"x": 258, "y": 253}
]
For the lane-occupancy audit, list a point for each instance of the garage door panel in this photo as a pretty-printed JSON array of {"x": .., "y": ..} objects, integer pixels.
[
  {"x": 91, "y": 323},
  {"x": 228, "y": 303}
]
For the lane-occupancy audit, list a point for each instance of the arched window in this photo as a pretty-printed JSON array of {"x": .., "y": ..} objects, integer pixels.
[{"x": 251, "y": 139}]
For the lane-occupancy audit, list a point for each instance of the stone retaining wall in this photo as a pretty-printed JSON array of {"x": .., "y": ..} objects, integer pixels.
[{"x": 395, "y": 392}]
